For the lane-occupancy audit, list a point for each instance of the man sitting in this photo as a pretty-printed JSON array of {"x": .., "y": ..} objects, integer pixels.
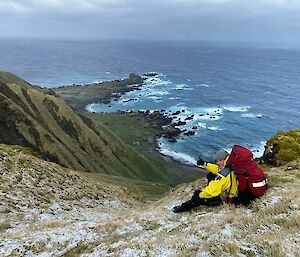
[{"x": 221, "y": 187}]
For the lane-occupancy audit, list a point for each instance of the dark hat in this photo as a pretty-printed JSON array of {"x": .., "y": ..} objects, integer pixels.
[{"x": 221, "y": 155}]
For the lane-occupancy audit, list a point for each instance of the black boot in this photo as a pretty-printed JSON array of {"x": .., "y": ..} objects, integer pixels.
[{"x": 184, "y": 207}]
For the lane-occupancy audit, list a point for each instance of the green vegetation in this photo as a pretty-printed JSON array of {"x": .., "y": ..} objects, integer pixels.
[
  {"x": 286, "y": 146},
  {"x": 80, "y": 96},
  {"x": 7, "y": 77},
  {"x": 35, "y": 118},
  {"x": 142, "y": 190},
  {"x": 140, "y": 134}
]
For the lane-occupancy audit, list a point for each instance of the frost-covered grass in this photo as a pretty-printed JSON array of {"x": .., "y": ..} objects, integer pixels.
[{"x": 113, "y": 225}]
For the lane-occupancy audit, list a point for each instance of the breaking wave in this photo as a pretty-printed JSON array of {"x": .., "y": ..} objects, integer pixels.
[
  {"x": 182, "y": 157},
  {"x": 236, "y": 108}
]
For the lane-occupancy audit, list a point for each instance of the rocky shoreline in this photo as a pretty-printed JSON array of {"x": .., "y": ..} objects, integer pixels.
[
  {"x": 171, "y": 125},
  {"x": 79, "y": 96},
  {"x": 168, "y": 128}
]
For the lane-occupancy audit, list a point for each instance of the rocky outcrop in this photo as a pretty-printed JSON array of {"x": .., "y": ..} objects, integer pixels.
[
  {"x": 151, "y": 74},
  {"x": 189, "y": 133},
  {"x": 282, "y": 148},
  {"x": 104, "y": 92},
  {"x": 172, "y": 132}
]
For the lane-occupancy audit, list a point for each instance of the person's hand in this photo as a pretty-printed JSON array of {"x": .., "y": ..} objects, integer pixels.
[{"x": 200, "y": 162}]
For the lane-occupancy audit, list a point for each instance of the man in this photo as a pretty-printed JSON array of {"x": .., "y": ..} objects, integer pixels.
[{"x": 221, "y": 187}]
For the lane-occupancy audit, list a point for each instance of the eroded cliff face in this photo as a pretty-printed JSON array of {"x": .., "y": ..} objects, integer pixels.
[{"x": 34, "y": 117}]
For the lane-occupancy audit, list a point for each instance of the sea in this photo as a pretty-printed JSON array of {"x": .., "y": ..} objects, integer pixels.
[{"x": 231, "y": 93}]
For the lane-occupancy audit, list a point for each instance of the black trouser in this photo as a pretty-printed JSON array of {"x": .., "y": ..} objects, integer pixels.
[
  {"x": 246, "y": 197},
  {"x": 197, "y": 201}
]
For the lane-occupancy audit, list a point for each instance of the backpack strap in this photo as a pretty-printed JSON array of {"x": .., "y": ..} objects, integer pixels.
[
  {"x": 230, "y": 185},
  {"x": 224, "y": 172}
]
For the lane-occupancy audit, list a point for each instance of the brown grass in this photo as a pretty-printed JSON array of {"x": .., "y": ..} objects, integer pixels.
[{"x": 4, "y": 225}]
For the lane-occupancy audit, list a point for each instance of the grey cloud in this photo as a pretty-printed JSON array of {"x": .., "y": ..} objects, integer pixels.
[{"x": 165, "y": 19}]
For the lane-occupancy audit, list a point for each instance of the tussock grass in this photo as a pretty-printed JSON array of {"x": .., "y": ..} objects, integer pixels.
[
  {"x": 4, "y": 225},
  {"x": 287, "y": 146},
  {"x": 77, "y": 223}
]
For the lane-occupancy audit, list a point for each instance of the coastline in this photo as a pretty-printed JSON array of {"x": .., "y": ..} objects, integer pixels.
[
  {"x": 82, "y": 99},
  {"x": 141, "y": 131},
  {"x": 179, "y": 122},
  {"x": 79, "y": 96}
]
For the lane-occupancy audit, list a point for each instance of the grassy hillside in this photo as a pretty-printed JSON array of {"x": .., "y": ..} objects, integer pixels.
[
  {"x": 140, "y": 133},
  {"x": 34, "y": 117},
  {"x": 49, "y": 210}
]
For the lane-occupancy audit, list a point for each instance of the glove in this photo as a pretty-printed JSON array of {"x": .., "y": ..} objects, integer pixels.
[
  {"x": 200, "y": 162},
  {"x": 196, "y": 193}
]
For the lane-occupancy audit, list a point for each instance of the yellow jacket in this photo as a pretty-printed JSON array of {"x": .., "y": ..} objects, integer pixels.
[{"x": 224, "y": 182}]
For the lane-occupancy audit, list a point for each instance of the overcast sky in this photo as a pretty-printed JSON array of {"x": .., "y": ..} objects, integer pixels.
[{"x": 233, "y": 20}]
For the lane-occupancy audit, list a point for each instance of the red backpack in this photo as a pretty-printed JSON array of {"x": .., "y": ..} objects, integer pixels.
[{"x": 250, "y": 176}]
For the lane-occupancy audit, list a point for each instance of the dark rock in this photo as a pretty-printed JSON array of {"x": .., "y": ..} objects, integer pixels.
[
  {"x": 172, "y": 132},
  {"x": 129, "y": 100},
  {"x": 179, "y": 123},
  {"x": 135, "y": 79},
  {"x": 189, "y": 133},
  {"x": 158, "y": 118},
  {"x": 176, "y": 113},
  {"x": 172, "y": 140},
  {"x": 190, "y": 117},
  {"x": 150, "y": 74}
]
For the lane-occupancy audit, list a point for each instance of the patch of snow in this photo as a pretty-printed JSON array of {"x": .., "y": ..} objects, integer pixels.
[
  {"x": 203, "y": 254},
  {"x": 227, "y": 231},
  {"x": 129, "y": 252},
  {"x": 131, "y": 227},
  {"x": 183, "y": 219},
  {"x": 273, "y": 200},
  {"x": 55, "y": 206}
]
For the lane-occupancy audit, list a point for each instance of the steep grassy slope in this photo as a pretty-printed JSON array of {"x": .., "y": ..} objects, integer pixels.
[
  {"x": 48, "y": 210},
  {"x": 44, "y": 206},
  {"x": 140, "y": 133},
  {"x": 34, "y": 117},
  {"x": 30, "y": 182}
]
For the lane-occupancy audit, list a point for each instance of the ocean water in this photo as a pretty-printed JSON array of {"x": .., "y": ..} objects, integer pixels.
[{"x": 237, "y": 94}]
